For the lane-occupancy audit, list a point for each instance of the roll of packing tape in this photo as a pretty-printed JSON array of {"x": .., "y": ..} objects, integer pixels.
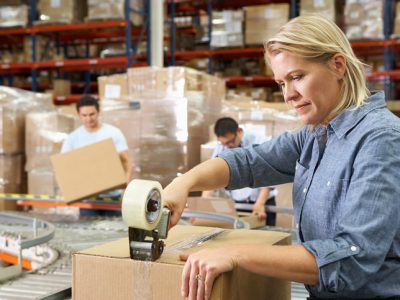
[{"x": 142, "y": 204}]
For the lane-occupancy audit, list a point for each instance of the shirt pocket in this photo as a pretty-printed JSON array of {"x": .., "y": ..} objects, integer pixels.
[{"x": 300, "y": 180}]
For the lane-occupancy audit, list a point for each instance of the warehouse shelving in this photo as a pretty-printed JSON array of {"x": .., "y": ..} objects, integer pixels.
[
  {"x": 90, "y": 33},
  {"x": 120, "y": 31},
  {"x": 388, "y": 47}
]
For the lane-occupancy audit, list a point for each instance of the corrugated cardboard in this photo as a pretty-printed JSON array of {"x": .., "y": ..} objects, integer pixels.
[
  {"x": 113, "y": 87},
  {"x": 88, "y": 170},
  {"x": 107, "y": 272},
  {"x": 223, "y": 206}
]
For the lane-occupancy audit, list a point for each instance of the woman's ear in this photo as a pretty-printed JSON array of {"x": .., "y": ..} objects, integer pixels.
[{"x": 338, "y": 63}]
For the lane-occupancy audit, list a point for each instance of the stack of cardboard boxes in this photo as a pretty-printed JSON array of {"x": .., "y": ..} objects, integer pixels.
[
  {"x": 115, "y": 9},
  {"x": 14, "y": 105},
  {"x": 13, "y": 15},
  {"x": 227, "y": 29},
  {"x": 364, "y": 19},
  {"x": 45, "y": 131},
  {"x": 62, "y": 11},
  {"x": 263, "y": 21}
]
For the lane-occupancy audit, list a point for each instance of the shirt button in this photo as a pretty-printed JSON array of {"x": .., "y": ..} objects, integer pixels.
[
  {"x": 297, "y": 226},
  {"x": 328, "y": 183},
  {"x": 304, "y": 190},
  {"x": 353, "y": 248}
]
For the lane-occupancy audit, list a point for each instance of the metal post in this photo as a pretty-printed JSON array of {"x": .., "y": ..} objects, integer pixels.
[
  {"x": 33, "y": 41},
  {"x": 128, "y": 33},
  {"x": 388, "y": 56},
  {"x": 293, "y": 9},
  {"x": 209, "y": 11},
  {"x": 147, "y": 8},
  {"x": 157, "y": 33},
  {"x": 172, "y": 32}
]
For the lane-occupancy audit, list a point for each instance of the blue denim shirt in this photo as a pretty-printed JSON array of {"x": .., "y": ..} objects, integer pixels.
[{"x": 346, "y": 196}]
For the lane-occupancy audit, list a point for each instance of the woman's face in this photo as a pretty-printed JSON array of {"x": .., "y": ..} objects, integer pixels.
[{"x": 312, "y": 88}]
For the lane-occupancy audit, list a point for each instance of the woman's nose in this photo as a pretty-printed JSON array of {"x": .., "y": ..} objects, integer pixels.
[{"x": 290, "y": 93}]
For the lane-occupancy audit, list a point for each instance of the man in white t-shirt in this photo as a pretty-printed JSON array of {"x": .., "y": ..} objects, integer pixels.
[
  {"x": 229, "y": 136},
  {"x": 92, "y": 131}
]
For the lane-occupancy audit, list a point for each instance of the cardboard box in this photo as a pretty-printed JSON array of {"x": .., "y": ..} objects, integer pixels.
[
  {"x": 88, "y": 170},
  {"x": 113, "y": 86},
  {"x": 223, "y": 206},
  {"x": 107, "y": 272},
  {"x": 61, "y": 87}
]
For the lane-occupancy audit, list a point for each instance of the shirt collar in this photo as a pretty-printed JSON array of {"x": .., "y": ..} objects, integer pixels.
[{"x": 349, "y": 118}]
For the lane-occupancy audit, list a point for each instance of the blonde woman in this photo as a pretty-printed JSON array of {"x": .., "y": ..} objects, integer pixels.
[{"x": 344, "y": 165}]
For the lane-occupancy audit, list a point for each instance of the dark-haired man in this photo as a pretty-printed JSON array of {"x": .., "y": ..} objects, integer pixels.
[
  {"x": 92, "y": 131},
  {"x": 230, "y": 135}
]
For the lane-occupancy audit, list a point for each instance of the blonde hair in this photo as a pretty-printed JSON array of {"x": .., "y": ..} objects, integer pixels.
[{"x": 316, "y": 39}]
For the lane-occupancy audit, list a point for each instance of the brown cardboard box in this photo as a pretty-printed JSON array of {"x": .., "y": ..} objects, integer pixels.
[
  {"x": 88, "y": 170},
  {"x": 11, "y": 16},
  {"x": 107, "y": 272},
  {"x": 61, "y": 87},
  {"x": 269, "y": 11},
  {"x": 223, "y": 206},
  {"x": 62, "y": 10},
  {"x": 113, "y": 86}
]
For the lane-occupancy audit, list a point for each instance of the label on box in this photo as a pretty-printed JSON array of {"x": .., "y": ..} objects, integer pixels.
[
  {"x": 55, "y": 3},
  {"x": 112, "y": 91}
]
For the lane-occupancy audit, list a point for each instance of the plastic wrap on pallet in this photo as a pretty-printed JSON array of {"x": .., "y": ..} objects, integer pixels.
[
  {"x": 113, "y": 86},
  {"x": 125, "y": 115},
  {"x": 177, "y": 106},
  {"x": 14, "y": 105},
  {"x": 42, "y": 182},
  {"x": 115, "y": 9},
  {"x": 364, "y": 19},
  {"x": 14, "y": 16},
  {"x": 262, "y": 118},
  {"x": 12, "y": 177},
  {"x": 62, "y": 11},
  {"x": 46, "y": 130}
]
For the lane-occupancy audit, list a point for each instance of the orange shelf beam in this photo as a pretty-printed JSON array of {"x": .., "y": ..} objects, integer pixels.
[
  {"x": 89, "y": 205},
  {"x": 12, "y": 259}
]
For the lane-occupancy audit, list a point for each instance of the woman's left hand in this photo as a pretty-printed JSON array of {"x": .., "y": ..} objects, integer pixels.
[{"x": 202, "y": 268}]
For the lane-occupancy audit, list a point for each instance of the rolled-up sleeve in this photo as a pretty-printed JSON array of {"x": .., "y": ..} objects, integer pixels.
[{"x": 270, "y": 163}]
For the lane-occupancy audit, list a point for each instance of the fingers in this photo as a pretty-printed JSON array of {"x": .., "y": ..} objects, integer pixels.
[{"x": 197, "y": 278}]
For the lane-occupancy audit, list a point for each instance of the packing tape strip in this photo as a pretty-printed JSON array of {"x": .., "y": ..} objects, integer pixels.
[{"x": 134, "y": 204}]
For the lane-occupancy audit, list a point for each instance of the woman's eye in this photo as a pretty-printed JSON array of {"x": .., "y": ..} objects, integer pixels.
[{"x": 298, "y": 77}]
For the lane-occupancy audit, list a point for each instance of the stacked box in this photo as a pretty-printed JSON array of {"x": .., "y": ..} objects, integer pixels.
[
  {"x": 177, "y": 106},
  {"x": 325, "y": 8},
  {"x": 263, "y": 119},
  {"x": 42, "y": 182},
  {"x": 115, "y": 9},
  {"x": 227, "y": 29},
  {"x": 13, "y": 16},
  {"x": 46, "y": 130},
  {"x": 263, "y": 21},
  {"x": 113, "y": 87},
  {"x": 364, "y": 19},
  {"x": 126, "y": 116},
  {"x": 15, "y": 104},
  {"x": 62, "y": 11}
]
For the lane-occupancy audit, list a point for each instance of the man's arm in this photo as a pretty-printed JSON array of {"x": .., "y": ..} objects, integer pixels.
[
  {"x": 259, "y": 205},
  {"x": 126, "y": 164}
]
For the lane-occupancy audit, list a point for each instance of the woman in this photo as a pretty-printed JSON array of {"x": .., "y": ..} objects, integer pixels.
[{"x": 344, "y": 165}]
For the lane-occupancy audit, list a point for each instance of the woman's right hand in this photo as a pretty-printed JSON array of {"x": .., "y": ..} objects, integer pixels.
[{"x": 175, "y": 198}]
